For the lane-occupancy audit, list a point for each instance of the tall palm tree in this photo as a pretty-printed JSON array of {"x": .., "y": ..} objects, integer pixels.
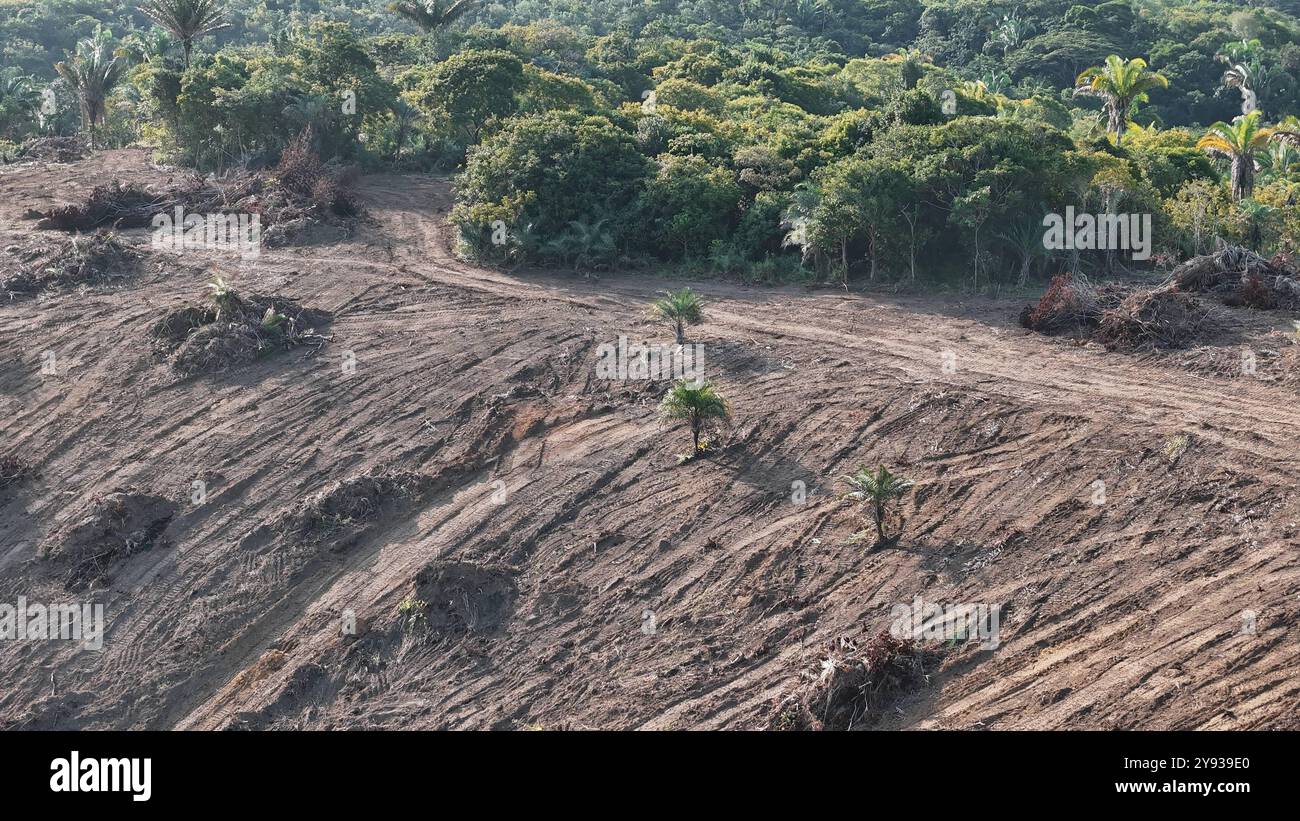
[
  {"x": 431, "y": 15},
  {"x": 681, "y": 308},
  {"x": 697, "y": 403},
  {"x": 186, "y": 20},
  {"x": 1121, "y": 85},
  {"x": 1237, "y": 142},
  {"x": 93, "y": 71},
  {"x": 877, "y": 490}
]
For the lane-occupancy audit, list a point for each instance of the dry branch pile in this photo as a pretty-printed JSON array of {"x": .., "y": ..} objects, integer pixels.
[
  {"x": 1162, "y": 317},
  {"x": 1117, "y": 316},
  {"x": 854, "y": 685},
  {"x": 298, "y": 193},
  {"x": 51, "y": 149},
  {"x": 1241, "y": 277},
  {"x": 92, "y": 259},
  {"x": 239, "y": 331}
]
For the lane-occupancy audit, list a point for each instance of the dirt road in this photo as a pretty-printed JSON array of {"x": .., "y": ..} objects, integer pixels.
[{"x": 1135, "y": 521}]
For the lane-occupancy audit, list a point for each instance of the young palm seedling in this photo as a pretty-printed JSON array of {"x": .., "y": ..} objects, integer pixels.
[
  {"x": 681, "y": 308},
  {"x": 877, "y": 491},
  {"x": 224, "y": 297},
  {"x": 696, "y": 403}
]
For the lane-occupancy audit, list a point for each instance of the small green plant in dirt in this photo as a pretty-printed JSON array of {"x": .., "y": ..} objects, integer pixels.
[
  {"x": 1175, "y": 447},
  {"x": 224, "y": 296},
  {"x": 696, "y": 403},
  {"x": 681, "y": 308},
  {"x": 273, "y": 319},
  {"x": 877, "y": 490},
  {"x": 413, "y": 613}
]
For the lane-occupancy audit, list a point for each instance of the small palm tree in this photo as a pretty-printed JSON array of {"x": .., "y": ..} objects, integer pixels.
[
  {"x": 877, "y": 490},
  {"x": 1121, "y": 85},
  {"x": 1237, "y": 142},
  {"x": 224, "y": 296},
  {"x": 431, "y": 15},
  {"x": 680, "y": 308},
  {"x": 698, "y": 403},
  {"x": 93, "y": 72},
  {"x": 186, "y": 20}
]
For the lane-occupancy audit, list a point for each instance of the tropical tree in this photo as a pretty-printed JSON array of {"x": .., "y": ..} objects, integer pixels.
[
  {"x": 1288, "y": 131},
  {"x": 1011, "y": 33},
  {"x": 1121, "y": 85},
  {"x": 680, "y": 308},
  {"x": 698, "y": 403},
  {"x": 1237, "y": 142},
  {"x": 93, "y": 71},
  {"x": 431, "y": 15},
  {"x": 186, "y": 20},
  {"x": 19, "y": 102},
  {"x": 876, "y": 491}
]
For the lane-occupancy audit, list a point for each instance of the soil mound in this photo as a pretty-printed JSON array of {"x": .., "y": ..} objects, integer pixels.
[
  {"x": 119, "y": 525},
  {"x": 462, "y": 597},
  {"x": 349, "y": 502}
]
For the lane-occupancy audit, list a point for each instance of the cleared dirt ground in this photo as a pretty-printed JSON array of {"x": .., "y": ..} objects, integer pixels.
[{"x": 543, "y": 512}]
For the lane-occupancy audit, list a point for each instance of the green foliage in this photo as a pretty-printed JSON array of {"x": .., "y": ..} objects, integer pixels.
[
  {"x": 546, "y": 172},
  {"x": 699, "y": 404},
  {"x": 876, "y": 490},
  {"x": 93, "y": 71},
  {"x": 689, "y": 204},
  {"x": 679, "y": 308}
]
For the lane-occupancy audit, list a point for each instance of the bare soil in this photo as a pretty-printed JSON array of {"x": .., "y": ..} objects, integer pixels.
[{"x": 451, "y": 445}]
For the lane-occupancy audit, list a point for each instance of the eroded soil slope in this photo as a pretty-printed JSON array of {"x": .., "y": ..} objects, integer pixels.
[{"x": 450, "y": 445}]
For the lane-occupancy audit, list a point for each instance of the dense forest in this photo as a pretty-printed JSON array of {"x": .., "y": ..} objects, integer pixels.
[{"x": 771, "y": 140}]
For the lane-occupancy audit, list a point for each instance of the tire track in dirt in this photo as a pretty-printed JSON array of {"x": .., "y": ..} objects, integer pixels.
[{"x": 1126, "y": 614}]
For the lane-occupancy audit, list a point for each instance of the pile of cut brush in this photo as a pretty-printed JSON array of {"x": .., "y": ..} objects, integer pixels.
[
  {"x": 50, "y": 149},
  {"x": 1117, "y": 316},
  {"x": 1241, "y": 278},
  {"x": 854, "y": 686},
  {"x": 299, "y": 193},
  {"x": 84, "y": 259},
  {"x": 234, "y": 330}
]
